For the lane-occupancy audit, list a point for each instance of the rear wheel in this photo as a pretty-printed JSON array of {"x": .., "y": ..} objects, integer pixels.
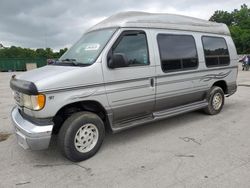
[
  {"x": 215, "y": 101},
  {"x": 81, "y": 136}
]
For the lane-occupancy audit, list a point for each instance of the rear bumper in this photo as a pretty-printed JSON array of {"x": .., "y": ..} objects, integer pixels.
[
  {"x": 30, "y": 135},
  {"x": 232, "y": 88}
]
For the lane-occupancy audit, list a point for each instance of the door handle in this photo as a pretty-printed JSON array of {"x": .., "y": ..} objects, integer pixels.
[{"x": 152, "y": 83}]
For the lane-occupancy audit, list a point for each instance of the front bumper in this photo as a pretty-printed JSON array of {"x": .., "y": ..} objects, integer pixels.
[{"x": 29, "y": 135}]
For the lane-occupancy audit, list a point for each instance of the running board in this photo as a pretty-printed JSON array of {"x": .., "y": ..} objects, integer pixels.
[
  {"x": 180, "y": 110},
  {"x": 158, "y": 116},
  {"x": 132, "y": 123}
]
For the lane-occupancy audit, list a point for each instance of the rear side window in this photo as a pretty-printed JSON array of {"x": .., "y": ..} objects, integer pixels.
[
  {"x": 216, "y": 51},
  {"x": 177, "y": 52}
]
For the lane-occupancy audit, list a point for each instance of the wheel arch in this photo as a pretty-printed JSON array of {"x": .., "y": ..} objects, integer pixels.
[
  {"x": 89, "y": 105},
  {"x": 222, "y": 84}
]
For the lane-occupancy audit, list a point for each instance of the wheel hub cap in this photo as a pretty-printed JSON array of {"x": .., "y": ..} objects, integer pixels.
[
  {"x": 86, "y": 138},
  {"x": 217, "y": 101}
]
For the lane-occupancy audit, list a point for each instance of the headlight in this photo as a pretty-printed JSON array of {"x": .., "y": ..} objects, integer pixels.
[{"x": 34, "y": 102}]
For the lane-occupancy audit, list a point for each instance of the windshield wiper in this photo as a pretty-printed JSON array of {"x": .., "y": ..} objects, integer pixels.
[
  {"x": 70, "y": 62},
  {"x": 68, "y": 59}
]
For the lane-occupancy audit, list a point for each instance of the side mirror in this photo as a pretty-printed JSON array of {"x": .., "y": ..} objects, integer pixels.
[{"x": 118, "y": 60}]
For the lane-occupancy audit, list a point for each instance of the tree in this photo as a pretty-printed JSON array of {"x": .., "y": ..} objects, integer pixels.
[
  {"x": 238, "y": 22},
  {"x": 242, "y": 17},
  {"x": 60, "y": 53},
  {"x": 221, "y": 16}
]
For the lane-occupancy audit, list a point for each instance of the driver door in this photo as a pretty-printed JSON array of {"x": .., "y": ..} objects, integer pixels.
[{"x": 130, "y": 89}]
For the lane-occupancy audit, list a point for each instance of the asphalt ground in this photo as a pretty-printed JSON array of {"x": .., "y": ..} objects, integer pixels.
[{"x": 190, "y": 150}]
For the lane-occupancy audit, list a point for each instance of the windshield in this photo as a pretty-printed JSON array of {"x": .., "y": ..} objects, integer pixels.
[{"x": 88, "y": 48}]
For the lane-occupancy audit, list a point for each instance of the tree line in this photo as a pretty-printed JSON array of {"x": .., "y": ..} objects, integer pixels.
[
  {"x": 238, "y": 22},
  {"x": 18, "y": 52}
]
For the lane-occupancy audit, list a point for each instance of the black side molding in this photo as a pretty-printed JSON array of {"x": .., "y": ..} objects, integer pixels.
[{"x": 23, "y": 86}]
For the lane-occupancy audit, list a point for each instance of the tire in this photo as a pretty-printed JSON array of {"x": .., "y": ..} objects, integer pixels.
[
  {"x": 79, "y": 130},
  {"x": 215, "y": 101}
]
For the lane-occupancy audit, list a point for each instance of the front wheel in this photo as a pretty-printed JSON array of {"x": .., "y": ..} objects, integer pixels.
[
  {"x": 215, "y": 101},
  {"x": 81, "y": 136}
]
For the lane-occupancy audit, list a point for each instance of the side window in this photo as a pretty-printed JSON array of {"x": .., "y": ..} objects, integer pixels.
[
  {"x": 216, "y": 51},
  {"x": 177, "y": 52},
  {"x": 132, "y": 45}
]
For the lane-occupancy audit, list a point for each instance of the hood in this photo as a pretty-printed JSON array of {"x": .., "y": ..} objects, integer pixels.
[
  {"x": 44, "y": 72},
  {"x": 53, "y": 77}
]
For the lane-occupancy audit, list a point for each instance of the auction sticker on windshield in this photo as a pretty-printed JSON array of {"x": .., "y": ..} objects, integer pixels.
[{"x": 93, "y": 46}]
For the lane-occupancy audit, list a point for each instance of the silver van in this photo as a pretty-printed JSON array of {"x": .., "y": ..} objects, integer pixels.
[{"x": 130, "y": 69}]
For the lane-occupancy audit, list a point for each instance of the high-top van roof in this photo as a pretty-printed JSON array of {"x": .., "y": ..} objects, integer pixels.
[{"x": 161, "y": 21}]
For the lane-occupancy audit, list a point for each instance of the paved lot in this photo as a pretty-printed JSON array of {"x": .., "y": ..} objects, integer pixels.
[{"x": 191, "y": 150}]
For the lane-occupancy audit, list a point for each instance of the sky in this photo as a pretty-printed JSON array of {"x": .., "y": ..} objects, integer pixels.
[{"x": 60, "y": 23}]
